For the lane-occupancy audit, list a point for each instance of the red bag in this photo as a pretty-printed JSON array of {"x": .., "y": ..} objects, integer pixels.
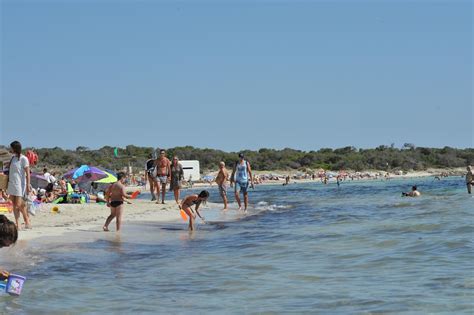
[{"x": 32, "y": 157}]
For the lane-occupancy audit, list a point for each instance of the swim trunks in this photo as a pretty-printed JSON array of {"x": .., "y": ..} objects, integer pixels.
[
  {"x": 223, "y": 190},
  {"x": 115, "y": 204},
  {"x": 162, "y": 179}
]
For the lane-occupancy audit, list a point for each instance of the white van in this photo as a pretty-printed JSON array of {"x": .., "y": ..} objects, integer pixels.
[{"x": 191, "y": 169}]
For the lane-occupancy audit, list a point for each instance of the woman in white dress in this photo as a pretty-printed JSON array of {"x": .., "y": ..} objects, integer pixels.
[{"x": 19, "y": 183}]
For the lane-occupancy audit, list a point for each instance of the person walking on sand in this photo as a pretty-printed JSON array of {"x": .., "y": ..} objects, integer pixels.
[
  {"x": 196, "y": 200},
  {"x": 115, "y": 196},
  {"x": 221, "y": 180},
  {"x": 163, "y": 175},
  {"x": 19, "y": 183},
  {"x": 177, "y": 175},
  {"x": 469, "y": 179},
  {"x": 241, "y": 175},
  {"x": 149, "y": 168}
]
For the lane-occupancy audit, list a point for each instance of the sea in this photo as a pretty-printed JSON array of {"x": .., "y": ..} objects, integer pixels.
[{"x": 309, "y": 248}]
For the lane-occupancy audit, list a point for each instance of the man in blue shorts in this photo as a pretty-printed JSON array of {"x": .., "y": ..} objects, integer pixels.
[{"x": 241, "y": 176}]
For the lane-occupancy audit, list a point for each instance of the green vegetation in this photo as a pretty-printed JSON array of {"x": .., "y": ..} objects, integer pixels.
[{"x": 383, "y": 157}]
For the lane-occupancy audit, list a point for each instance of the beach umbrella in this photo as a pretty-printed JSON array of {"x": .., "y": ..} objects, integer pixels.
[
  {"x": 38, "y": 180},
  {"x": 110, "y": 172},
  {"x": 107, "y": 180},
  {"x": 85, "y": 173}
]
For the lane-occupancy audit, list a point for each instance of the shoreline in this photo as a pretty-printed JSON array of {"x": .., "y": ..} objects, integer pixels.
[{"x": 91, "y": 216}]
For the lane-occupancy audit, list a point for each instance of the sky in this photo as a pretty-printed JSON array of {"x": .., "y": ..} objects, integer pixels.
[{"x": 235, "y": 75}]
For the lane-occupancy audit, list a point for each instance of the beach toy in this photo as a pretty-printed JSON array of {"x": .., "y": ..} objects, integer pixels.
[
  {"x": 15, "y": 284},
  {"x": 6, "y": 207},
  {"x": 59, "y": 200},
  {"x": 55, "y": 210},
  {"x": 135, "y": 194},
  {"x": 183, "y": 215}
]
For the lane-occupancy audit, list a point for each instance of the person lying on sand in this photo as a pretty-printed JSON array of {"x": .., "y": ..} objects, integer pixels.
[{"x": 413, "y": 193}]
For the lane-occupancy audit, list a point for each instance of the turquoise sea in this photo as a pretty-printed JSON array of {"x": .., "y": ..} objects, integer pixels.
[{"x": 303, "y": 248}]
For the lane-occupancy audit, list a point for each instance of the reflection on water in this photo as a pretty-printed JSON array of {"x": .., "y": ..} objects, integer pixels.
[{"x": 357, "y": 248}]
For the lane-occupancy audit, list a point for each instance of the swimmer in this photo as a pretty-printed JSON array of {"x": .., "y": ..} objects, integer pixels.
[{"x": 413, "y": 193}]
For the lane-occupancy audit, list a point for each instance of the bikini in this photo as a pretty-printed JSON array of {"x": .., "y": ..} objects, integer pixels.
[{"x": 194, "y": 202}]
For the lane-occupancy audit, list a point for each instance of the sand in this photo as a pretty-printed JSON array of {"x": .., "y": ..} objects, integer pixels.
[{"x": 91, "y": 216}]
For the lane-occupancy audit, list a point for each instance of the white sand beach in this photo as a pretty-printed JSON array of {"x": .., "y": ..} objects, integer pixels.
[{"x": 77, "y": 217}]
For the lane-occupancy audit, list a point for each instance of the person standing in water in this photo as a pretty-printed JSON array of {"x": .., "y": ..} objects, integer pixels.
[
  {"x": 469, "y": 179},
  {"x": 115, "y": 196},
  {"x": 221, "y": 180},
  {"x": 190, "y": 201},
  {"x": 19, "y": 183},
  {"x": 241, "y": 175}
]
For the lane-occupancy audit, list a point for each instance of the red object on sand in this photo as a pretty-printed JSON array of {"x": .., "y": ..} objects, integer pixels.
[{"x": 135, "y": 194}]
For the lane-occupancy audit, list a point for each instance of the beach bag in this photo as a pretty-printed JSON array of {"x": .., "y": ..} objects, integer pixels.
[
  {"x": 151, "y": 171},
  {"x": 29, "y": 205},
  {"x": 3, "y": 181},
  {"x": 32, "y": 157}
]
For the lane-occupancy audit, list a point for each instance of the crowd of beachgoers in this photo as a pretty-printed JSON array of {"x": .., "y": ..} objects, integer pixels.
[
  {"x": 25, "y": 191},
  {"x": 22, "y": 196}
]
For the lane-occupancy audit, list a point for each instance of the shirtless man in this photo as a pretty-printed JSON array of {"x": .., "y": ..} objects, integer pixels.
[
  {"x": 149, "y": 168},
  {"x": 221, "y": 180},
  {"x": 469, "y": 178},
  {"x": 413, "y": 193},
  {"x": 241, "y": 175},
  {"x": 115, "y": 196},
  {"x": 163, "y": 175}
]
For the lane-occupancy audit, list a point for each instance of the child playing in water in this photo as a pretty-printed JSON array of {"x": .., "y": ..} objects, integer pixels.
[
  {"x": 115, "y": 196},
  {"x": 194, "y": 200}
]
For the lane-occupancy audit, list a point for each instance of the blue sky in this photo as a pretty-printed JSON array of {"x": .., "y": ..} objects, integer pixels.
[{"x": 237, "y": 75}]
